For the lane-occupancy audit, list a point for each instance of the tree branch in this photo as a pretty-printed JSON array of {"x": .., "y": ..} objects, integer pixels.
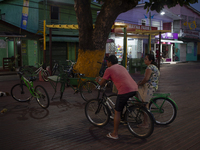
[{"x": 106, "y": 18}]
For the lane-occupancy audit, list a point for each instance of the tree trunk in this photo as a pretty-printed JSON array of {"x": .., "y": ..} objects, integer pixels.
[{"x": 92, "y": 41}]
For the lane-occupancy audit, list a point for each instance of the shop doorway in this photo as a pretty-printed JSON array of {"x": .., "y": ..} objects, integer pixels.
[
  {"x": 182, "y": 52},
  {"x": 166, "y": 53}
]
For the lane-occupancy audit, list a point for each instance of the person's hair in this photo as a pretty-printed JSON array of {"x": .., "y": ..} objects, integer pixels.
[
  {"x": 152, "y": 58},
  {"x": 113, "y": 59}
]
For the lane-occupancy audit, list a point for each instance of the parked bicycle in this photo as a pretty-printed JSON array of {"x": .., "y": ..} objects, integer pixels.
[
  {"x": 98, "y": 112},
  {"x": 24, "y": 91},
  {"x": 57, "y": 68},
  {"x": 85, "y": 85},
  {"x": 28, "y": 71}
]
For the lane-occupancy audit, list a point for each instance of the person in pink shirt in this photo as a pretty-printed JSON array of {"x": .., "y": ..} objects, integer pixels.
[{"x": 125, "y": 85}]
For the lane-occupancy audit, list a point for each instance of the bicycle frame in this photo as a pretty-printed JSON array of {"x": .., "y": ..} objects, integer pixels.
[
  {"x": 161, "y": 96},
  {"x": 29, "y": 85},
  {"x": 38, "y": 70}
]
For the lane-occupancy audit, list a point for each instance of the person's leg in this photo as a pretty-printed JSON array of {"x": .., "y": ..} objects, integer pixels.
[
  {"x": 147, "y": 97},
  {"x": 120, "y": 103},
  {"x": 117, "y": 119}
]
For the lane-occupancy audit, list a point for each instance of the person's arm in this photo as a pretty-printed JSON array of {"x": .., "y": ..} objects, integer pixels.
[
  {"x": 100, "y": 81},
  {"x": 146, "y": 77}
]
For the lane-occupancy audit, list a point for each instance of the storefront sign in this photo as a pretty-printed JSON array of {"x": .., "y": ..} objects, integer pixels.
[
  {"x": 168, "y": 36},
  {"x": 191, "y": 34},
  {"x": 134, "y": 27},
  {"x": 25, "y": 14}
]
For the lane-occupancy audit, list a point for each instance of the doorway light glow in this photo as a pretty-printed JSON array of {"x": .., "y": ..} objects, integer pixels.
[{"x": 162, "y": 13}]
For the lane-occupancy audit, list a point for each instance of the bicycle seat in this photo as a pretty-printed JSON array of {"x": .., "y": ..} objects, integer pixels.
[
  {"x": 32, "y": 78},
  {"x": 20, "y": 73}
]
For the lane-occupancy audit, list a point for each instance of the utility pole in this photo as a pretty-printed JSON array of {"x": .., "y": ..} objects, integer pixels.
[{"x": 149, "y": 48}]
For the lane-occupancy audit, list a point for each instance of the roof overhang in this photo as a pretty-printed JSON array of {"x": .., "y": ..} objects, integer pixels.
[
  {"x": 171, "y": 15},
  {"x": 11, "y": 35}
]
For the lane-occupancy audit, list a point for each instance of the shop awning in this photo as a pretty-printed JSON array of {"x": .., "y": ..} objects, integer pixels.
[
  {"x": 171, "y": 41},
  {"x": 11, "y": 34}
]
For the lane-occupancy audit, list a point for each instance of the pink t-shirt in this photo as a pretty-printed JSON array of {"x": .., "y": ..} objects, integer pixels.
[{"x": 121, "y": 78}]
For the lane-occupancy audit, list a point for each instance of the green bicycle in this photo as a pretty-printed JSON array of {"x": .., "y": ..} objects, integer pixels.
[
  {"x": 24, "y": 91},
  {"x": 163, "y": 108}
]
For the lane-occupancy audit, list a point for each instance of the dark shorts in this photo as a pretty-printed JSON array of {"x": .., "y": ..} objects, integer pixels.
[{"x": 122, "y": 100}]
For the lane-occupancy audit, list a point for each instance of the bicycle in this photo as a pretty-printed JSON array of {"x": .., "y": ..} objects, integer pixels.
[
  {"x": 24, "y": 91},
  {"x": 99, "y": 112},
  {"x": 29, "y": 71},
  {"x": 163, "y": 108},
  {"x": 58, "y": 68},
  {"x": 85, "y": 85}
]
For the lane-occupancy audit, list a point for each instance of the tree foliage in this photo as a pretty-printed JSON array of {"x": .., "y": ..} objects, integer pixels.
[
  {"x": 92, "y": 40},
  {"x": 95, "y": 38}
]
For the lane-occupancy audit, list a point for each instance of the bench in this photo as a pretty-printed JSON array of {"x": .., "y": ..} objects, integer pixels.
[{"x": 6, "y": 62}]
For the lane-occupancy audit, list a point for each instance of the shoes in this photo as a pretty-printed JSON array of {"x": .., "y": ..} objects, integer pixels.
[{"x": 110, "y": 136}]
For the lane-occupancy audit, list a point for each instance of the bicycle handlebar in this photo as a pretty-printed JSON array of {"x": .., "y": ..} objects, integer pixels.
[
  {"x": 70, "y": 62},
  {"x": 103, "y": 88}
]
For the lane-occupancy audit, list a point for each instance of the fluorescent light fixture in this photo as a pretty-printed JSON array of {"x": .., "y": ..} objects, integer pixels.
[
  {"x": 162, "y": 13},
  {"x": 172, "y": 41}
]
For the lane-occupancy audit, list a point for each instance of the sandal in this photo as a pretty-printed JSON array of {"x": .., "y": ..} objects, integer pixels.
[{"x": 110, "y": 136}]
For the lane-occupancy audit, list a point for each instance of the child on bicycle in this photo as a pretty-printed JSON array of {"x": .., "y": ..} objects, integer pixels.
[{"x": 125, "y": 85}]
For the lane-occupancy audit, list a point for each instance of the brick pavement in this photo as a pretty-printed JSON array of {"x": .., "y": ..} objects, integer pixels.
[{"x": 64, "y": 125}]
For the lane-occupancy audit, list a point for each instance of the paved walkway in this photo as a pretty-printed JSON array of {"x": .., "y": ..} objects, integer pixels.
[{"x": 64, "y": 125}]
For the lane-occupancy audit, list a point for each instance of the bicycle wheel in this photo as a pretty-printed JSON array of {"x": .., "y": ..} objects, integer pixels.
[
  {"x": 53, "y": 71},
  {"x": 139, "y": 121},
  {"x": 89, "y": 91},
  {"x": 164, "y": 110},
  {"x": 45, "y": 75},
  {"x": 41, "y": 96},
  {"x": 20, "y": 93},
  {"x": 97, "y": 113}
]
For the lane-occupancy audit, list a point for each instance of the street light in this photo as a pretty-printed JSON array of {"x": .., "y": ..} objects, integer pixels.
[{"x": 162, "y": 13}]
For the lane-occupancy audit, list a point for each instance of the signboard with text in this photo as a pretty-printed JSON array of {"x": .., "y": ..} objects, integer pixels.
[
  {"x": 133, "y": 27},
  {"x": 25, "y": 14},
  {"x": 168, "y": 36}
]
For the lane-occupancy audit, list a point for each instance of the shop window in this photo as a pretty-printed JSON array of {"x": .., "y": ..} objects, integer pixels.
[
  {"x": 54, "y": 16},
  {"x": 167, "y": 26},
  {"x": 54, "y": 12},
  {"x": 198, "y": 22},
  {"x": 143, "y": 22}
]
